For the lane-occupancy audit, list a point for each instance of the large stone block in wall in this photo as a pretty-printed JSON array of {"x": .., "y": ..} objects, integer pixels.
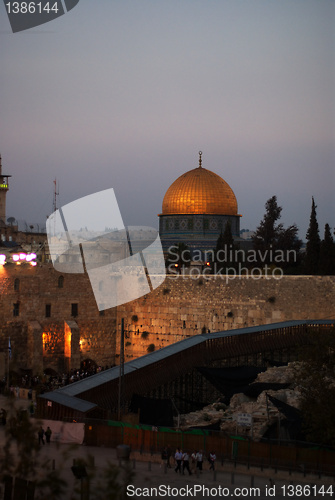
[{"x": 277, "y": 315}]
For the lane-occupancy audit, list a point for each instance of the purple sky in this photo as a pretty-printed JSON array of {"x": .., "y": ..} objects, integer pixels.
[{"x": 124, "y": 95}]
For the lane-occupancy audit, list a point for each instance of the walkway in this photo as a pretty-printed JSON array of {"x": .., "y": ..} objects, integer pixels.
[{"x": 151, "y": 480}]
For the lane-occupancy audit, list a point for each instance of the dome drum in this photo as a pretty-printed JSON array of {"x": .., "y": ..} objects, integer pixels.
[{"x": 200, "y": 231}]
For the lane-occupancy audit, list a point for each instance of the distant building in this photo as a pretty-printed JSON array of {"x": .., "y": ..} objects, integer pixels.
[
  {"x": 11, "y": 234},
  {"x": 246, "y": 234},
  {"x": 196, "y": 208},
  {"x": 3, "y": 193}
]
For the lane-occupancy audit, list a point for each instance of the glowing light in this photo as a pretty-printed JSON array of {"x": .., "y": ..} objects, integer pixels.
[
  {"x": 30, "y": 257},
  {"x": 2, "y": 259},
  {"x": 18, "y": 258},
  {"x": 33, "y": 263}
]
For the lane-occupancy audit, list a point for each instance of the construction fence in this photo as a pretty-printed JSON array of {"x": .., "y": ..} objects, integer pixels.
[{"x": 145, "y": 439}]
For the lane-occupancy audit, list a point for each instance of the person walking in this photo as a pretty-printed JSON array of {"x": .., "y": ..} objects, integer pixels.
[
  {"x": 178, "y": 458},
  {"x": 186, "y": 463},
  {"x": 3, "y": 416},
  {"x": 41, "y": 435},
  {"x": 200, "y": 459},
  {"x": 48, "y": 433},
  {"x": 193, "y": 462},
  {"x": 211, "y": 460},
  {"x": 169, "y": 453}
]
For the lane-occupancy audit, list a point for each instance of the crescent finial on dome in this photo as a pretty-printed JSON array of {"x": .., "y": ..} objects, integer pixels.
[{"x": 200, "y": 161}]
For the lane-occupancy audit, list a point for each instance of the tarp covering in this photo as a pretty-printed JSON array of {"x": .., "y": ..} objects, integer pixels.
[
  {"x": 293, "y": 417},
  {"x": 230, "y": 381},
  {"x": 288, "y": 411},
  {"x": 155, "y": 412},
  {"x": 65, "y": 432}
]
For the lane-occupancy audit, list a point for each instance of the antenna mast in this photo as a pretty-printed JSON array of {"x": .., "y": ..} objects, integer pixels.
[{"x": 56, "y": 193}]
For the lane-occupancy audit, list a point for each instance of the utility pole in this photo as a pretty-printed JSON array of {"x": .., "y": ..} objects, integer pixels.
[
  {"x": 121, "y": 373},
  {"x": 54, "y": 204},
  {"x": 8, "y": 360}
]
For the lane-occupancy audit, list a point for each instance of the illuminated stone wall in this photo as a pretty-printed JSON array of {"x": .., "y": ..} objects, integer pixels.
[
  {"x": 183, "y": 307},
  {"x": 179, "y": 308},
  {"x": 36, "y": 312}
]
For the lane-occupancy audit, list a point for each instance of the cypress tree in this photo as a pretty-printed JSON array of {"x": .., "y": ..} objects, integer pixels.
[
  {"x": 327, "y": 253},
  {"x": 312, "y": 255}
]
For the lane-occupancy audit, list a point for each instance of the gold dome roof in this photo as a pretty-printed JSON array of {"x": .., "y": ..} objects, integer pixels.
[{"x": 199, "y": 191}]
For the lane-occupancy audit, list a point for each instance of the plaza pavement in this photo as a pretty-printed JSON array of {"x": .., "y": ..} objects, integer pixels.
[{"x": 149, "y": 473}]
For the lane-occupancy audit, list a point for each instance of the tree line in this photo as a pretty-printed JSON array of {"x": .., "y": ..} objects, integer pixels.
[
  {"x": 273, "y": 245},
  {"x": 318, "y": 256}
]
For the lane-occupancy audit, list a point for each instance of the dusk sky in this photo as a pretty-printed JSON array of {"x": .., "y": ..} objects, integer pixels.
[{"x": 123, "y": 94}]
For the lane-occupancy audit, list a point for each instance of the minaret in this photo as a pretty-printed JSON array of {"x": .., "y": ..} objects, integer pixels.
[{"x": 3, "y": 192}]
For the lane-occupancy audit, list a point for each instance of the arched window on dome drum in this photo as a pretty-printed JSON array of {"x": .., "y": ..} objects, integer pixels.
[
  {"x": 61, "y": 282},
  {"x": 16, "y": 284}
]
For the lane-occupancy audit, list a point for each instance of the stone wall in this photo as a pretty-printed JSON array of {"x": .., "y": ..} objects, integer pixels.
[
  {"x": 186, "y": 306},
  {"x": 179, "y": 308},
  {"x": 37, "y": 313}
]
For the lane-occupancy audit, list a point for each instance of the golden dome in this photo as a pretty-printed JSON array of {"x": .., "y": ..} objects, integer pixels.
[{"x": 199, "y": 191}]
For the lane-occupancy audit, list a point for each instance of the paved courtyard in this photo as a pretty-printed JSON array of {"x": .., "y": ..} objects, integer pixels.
[{"x": 147, "y": 478}]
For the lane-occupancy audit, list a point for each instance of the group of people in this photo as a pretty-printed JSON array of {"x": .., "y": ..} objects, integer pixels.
[
  {"x": 50, "y": 382},
  {"x": 184, "y": 461},
  {"x": 41, "y": 433},
  {"x": 197, "y": 459},
  {"x": 3, "y": 416}
]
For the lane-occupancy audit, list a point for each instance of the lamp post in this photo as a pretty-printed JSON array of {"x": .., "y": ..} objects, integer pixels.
[{"x": 8, "y": 360}]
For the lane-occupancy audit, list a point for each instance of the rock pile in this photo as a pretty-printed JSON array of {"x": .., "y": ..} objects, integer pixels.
[{"x": 263, "y": 412}]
